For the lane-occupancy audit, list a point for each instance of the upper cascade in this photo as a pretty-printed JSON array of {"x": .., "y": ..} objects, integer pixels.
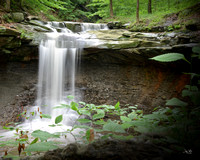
[
  {"x": 93, "y": 26},
  {"x": 70, "y": 27}
]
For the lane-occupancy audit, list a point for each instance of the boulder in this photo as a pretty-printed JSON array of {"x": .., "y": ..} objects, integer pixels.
[
  {"x": 29, "y": 18},
  {"x": 114, "y": 25},
  {"x": 8, "y": 32},
  {"x": 73, "y": 26},
  {"x": 17, "y": 17}
]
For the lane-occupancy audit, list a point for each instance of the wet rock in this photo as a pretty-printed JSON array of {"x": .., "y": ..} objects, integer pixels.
[
  {"x": 17, "y": 16},
  {"x": 29, "y": 18},
  {"x": 115, "y": 25},
  {"x": 73, "y": 26},
  {"x": 9, "y": 32}
]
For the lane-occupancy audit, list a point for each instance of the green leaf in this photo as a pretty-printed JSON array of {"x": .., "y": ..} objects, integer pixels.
[
  {"x": 41, "y": 147},
  {"x": 52, "y": 125},
  {"x": 126, "y": 125},
  {"x": 100, "y": 114},
  {"x": 85, "y": 112},
  {"x": 9, "y": 128},
  {"x": 58, "y": 119},
  {"x": 113, "y": 127},
  {"x": 117, "y": 107},
  {"x": 43, "y": 135},
  {"x": 176, "y": 102},
  {"x": 70, "y": 97},
  {"x": 82, "y": 103},
  {"x": 125, "y": 119},
  {"x": 122, "y": 137},
  {"x": 34, "y": 141},
  {"x": 196, "y": 50},
  {"x": 74, "y": 106},
  {"x": 133, "y": 115},
  {"x": 169, "y": 57},
  {"x": 45, "y": 116},
  {"x": 62, "y": 106},
  {"x": 84, "y": 120},
  {"x": 100, "y": 122},
  {"x": 13, "y": 157}
]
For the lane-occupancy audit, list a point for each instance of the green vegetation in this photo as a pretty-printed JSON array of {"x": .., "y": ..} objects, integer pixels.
[
  {"x": 176, "y": 123},
  {"x": 92, "y": 10}
]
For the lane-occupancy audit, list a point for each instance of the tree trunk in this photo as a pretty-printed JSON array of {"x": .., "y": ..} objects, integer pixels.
[
  {"x": 149, "y": 7},
  {"x": 168, "y": 4},
  {"x": 111, "y": 9},
  {"x": 137, "y": 12},
  {"x": 7, "y": 6},
  {"x": 22, "y": 4}
]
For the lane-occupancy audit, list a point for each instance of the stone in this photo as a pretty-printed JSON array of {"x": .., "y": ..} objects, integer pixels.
[
  {"x": 73, "y": 26},
  {"x": 29, "y": 18},
  {"x": 8, "y": 32},
  {"x": 114, "y": 25},
  {"x": 17, "y": 17}
]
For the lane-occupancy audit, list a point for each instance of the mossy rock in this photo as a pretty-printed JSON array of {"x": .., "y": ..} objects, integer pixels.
[
  {"x": 5, "y": 40},
  {"x": 8, "y": 32},
  {"x": 124, "y": 45},
  {"x": 14, "y": 43},
  {"x": 74, "y": 27},
  {"x": 17, "y": 17}
]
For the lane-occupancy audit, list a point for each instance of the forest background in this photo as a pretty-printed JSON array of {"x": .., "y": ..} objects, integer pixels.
[{"x": 97, "y": 10}]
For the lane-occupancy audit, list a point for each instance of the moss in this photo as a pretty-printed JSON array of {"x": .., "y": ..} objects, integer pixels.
[{"x": 124, "y": 45}]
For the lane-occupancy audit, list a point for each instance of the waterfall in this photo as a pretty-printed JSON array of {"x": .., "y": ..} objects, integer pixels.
[
  {"x": 91, "y": 26},
  {"x": 59, "y": 53},
  {"x": 58, "y": 57}
]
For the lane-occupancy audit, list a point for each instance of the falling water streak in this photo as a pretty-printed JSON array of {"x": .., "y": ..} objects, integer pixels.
[{"x": 60, "y": 54}]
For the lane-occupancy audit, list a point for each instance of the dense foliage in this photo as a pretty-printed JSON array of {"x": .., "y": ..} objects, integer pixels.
[{"x": 92, "y": 10}]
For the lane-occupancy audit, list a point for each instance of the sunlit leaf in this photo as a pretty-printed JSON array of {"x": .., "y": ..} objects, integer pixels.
[
  {"x": 100, "y": 114},
  {"x": 125, "y": 119},
  {"x": 34, "y": 141},
  {"x": 85, "y": 112},
  {"x": 99, "y": 122},
  {"x": 58, "y": 119},
  {"x": 84, "y": 120},
  {"x": 45, "y": 116},
  {"x": 52, "y": 125},
  {"x": 117, "y": 107},
  {"x": 169, "y": 57},
  {"x": 8, "y": 128},
  {"x": 74, "y": 106},
  {"x": 43, "y": 135},
  {"x": 70, "y": 97}
]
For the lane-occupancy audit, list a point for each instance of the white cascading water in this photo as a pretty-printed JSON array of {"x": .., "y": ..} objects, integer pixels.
[
  {"x": 59, "y": 56},
  {"x": 59, "y": 53}
]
